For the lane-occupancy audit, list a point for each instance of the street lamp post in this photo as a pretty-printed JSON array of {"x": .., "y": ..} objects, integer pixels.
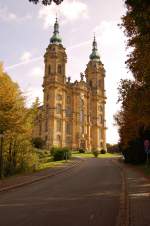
[{"x": 1, "y": 154}]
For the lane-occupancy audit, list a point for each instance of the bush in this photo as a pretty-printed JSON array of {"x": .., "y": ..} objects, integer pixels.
[
  {"x": 134, "y": 152},
  {"x": 95, "y": 153},
  {"x": 38, "y": 142},
  {"x": 60, "y": 153},
  {"x": 52, "y": 150},
  {"x": 103, "y": 151},
  {"x": 81, "y": 150},
  {"x": 66, "y": 152}
]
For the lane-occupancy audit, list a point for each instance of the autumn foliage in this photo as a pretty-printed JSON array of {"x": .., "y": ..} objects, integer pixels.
[
  {"x": 16, "y": 121},
  {"x": 133, "y": 119}
]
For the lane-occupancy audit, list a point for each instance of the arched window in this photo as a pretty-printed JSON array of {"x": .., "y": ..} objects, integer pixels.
[
  {"x": 68, "y": 99},
  {"x": 59, "y": 97},
  {"x": 90, "y": 83},
  {"x": 58, "y": 108},
  {"x": 49, "y": 69},
  {"x": 81, "y": 110},
  {"x": 68, "y": 111},
  {"x": 58, "y": 125},
  {"x": 59, "y": 69},
  {"x": 58, "y": 138},
  {"x": 100, "y": 119},
  {"x": 68, "y": 128}
]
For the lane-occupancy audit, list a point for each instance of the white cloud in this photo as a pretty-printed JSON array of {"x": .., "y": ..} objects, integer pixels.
[
  {"x": 69, "y": 11},
  {"x": 74, "y": 10},
  {"x": 37, "y": 72},
  {"x": 26, "y": 56},
  {"x": 8, "y": 16}
]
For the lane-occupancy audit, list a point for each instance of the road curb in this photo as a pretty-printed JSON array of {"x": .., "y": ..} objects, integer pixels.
[
  {"x": 124, "y": 212},
  {"x": 8, "y": 188}
]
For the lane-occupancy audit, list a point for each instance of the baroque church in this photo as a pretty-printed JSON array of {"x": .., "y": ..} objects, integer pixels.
[{"x": 73, "y": 113}]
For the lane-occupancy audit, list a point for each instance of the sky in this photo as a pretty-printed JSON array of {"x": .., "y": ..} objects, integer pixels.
[{"x": 25, "y": 31}]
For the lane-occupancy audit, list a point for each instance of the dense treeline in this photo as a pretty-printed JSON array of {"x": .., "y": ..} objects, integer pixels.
[
  {"x": 16, "y": 122},
  {"x": 134, "y": 117}
]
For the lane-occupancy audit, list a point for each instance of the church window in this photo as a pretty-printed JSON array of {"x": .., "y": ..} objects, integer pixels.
[
  {"x": 81, "y": 110},
  {"x": 90, "y": 83},
  {"x": 68, "y": 99},
  {"x": 58, "y": 108},
  {"x": 59, "y": 97},
  {"x": 101, "y": 119},
  {"x": 58, "y": 125},
  {"x": 58, "y": 138},
  {"x": 59, "y": 69},
  {"x": 46, "y": 123},
  {"x": 68, "y": 128},
  {"x": 68, "y": 140},
  {"x": 49, "y": 69},
  {"x": 47, "y": 97},
  {"x": 68, "y": 111}
]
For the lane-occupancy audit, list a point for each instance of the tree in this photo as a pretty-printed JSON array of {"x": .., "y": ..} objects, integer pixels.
[
  {"x": 16, "y": 152},
  {"x": 12, "y": 110},
  {"x": 133, "y": 119},
  {"x": 46, "y": 2},
  {"x": 137, "y": 28}
]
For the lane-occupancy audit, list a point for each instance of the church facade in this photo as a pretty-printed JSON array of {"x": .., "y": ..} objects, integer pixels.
[{"x": 73, "y": 113}]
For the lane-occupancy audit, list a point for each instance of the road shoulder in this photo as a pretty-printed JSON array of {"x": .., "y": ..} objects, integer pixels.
[{"x": 28, "y": 178}]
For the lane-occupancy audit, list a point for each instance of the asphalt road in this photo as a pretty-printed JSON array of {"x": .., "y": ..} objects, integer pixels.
[{"x": 88, "y": 195}]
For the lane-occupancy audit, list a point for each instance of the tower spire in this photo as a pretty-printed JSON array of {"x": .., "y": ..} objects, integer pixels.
[
  {"x": 56, "y": 39},
  {"x": 94, "y": 56}
]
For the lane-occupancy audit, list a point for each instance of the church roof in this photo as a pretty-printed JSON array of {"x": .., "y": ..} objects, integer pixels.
[
  {"x": 56, "y": 39},
  {"x": 94, "y": 56}
]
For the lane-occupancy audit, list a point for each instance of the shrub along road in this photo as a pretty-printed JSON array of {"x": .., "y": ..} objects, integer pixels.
[{"x": 98, "y": 192}]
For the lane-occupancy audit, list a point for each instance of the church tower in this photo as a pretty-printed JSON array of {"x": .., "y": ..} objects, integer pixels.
[
  {"x": 95, "y": 74},
  {"x": 55, "y": 60}
]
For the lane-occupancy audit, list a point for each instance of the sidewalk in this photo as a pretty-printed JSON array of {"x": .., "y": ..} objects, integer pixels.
[
  {"x": 138, "y": 196},
  {"x": 24, "y": 179}
]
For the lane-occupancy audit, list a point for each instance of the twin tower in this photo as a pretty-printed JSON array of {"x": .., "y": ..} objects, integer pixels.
[{"x": 73, "y": 114}]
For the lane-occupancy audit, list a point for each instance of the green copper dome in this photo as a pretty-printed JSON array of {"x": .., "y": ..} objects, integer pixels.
[
  {"x": 95, "y": 55},
  {"x": 56, "y": 39}
]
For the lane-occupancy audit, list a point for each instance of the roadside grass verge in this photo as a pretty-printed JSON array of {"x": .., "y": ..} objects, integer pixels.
[
  {"x": 46, "y": 161},
  {"x": 50, "y": 164},
  {"x": 90, "y": 155}
]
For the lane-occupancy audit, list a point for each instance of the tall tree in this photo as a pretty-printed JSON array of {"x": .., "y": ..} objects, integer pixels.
[
  {"x": 136, "y": 23},
  {"x": 134, "y": 118},
  {"x": 15, "y": 126},
  {"x": 12, "y": 110}
]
